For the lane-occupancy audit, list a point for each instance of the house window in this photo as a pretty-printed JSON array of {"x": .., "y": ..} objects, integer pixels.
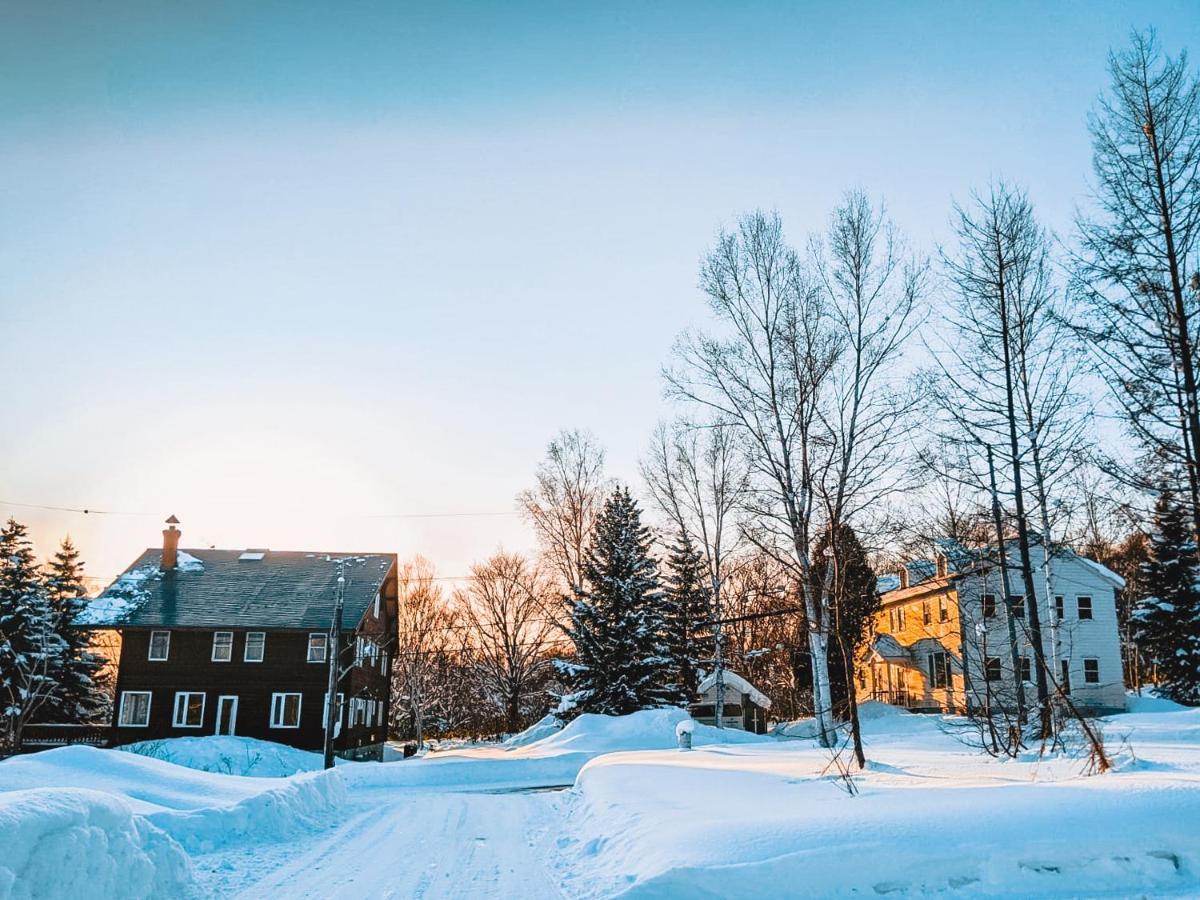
[
  {"x": 992, "y": 668},
  {"x": 338, "y": 712},
  {"x": 1066, "y": 676},
  {"x": 222, "y": 646},
  {"x": 1091, "y": 671},
  {"x": 1085, "y": 607},
  {"x": 900, "y": 618},
  {"x": 939, "y": 669},
  {"x": 379, "y": 720},
  {"x": 926, "y": 615},
  {"x": 285, "y": 710},
  {"x": 1060, "y": 608},
  {"x": 1018, "y": 606},
  {"x": 989, "y": 606},
  {"x": 256, "y": 645},
  {"x": 375, "y": 611},
  {"x": 943, "y": 610},
  {"x": 135, "y": 709},
  {"x": 1026, "y": 669},
  {"x": 316, "y": 647},
  {"x": 189, "y": 710},
  {"x": 160, "y": 646}
]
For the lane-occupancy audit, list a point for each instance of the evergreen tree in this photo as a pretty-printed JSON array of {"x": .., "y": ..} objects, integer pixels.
[
  {"x": 855, "y": 603},
  {"x": 621, "y": 660},
  {"x": 1168, "y": 619},
  {"x": 81, "y": 696},
  {"x": 687, "y": 609},
  {"x": 30, "y": 648}
]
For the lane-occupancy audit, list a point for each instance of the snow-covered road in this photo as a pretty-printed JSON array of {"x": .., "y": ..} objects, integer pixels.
[{"x": 419, "y": 845}]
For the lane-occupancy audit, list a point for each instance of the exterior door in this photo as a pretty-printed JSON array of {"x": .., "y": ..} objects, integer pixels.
[{"x": 226, "y": 714}]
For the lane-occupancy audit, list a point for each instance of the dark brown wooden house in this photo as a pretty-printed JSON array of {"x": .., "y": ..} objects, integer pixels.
[{"x": 237, "y": 642}]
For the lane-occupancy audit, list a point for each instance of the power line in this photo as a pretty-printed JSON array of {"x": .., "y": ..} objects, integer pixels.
[{"x": 89, "y": 511}]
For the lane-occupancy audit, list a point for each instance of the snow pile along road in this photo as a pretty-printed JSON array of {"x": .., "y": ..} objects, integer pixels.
[
  {"x": 931, "y": 816},
  {"x": 231, "y": 755},
  {"x": 81, "y": 843}
]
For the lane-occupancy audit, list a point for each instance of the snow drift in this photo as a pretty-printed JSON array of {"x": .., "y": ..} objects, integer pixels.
[
  {"x": 231, "y": 755},
  {"x": 62, "y": 843}
]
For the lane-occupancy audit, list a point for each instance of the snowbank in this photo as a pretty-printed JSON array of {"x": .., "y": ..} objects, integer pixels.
[
  {"x": 648, "y": 729},
  {"x": 200, "y": 810},
  {"x": 231, "y": 755},
  {"x": 542, "y": 728},
  {"x": 739, "y": 821},
  {"x": 62, "y": 843},
  {"x": 1148, "y": 703}
]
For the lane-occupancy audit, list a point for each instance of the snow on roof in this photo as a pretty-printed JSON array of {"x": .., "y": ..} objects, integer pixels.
[
  {"x": 890, "y": 649},
  {"x": 739, "y": 684},
  {"x": 1104, "y": 571}
]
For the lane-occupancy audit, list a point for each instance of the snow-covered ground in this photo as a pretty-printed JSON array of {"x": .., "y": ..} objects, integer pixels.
[{"x": 739, "y": 816}]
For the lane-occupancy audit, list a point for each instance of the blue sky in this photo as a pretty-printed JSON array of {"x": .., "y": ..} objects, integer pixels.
[{"x": 276, "y": 267}]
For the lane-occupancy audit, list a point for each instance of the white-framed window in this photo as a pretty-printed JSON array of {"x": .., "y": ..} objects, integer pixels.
[
  {"x": 338, "y": 713},
  {"x": 222, "y": 650},
  {"x": 992, "y": 669},
  {"x": 318, "y": 643},
  {"x": 285, "y": 710},
  {"x": 939, "y": 669},
  {"x": 375, "y": 612},
  {"x": 1085, "y": 607},
  {"x": 1026, "y": 669},
  {"x": 256, "y": 646},
  {"x": 988, "y": 602},
  {"x": 1091, "y": 670},
  {"x": 135, "y": 709},
  {"x": 160, "y": 646},
  {"x": 189, "y": 710}
]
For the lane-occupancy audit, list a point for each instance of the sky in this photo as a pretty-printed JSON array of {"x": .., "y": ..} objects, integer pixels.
[{"x": 308, "y": 276}]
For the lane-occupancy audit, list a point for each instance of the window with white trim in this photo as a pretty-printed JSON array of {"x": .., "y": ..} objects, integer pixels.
[
  {"x": 160, "y": 646},
  {"x": 135, "y": 709},
  {"x": 1084, "y": 605},
  {"x": 222, "y": 649},
  {"x": 992, "y": 669},
  {"x": 375, "y": 612},
  {"x": 285, "y": 710},
  {"x": 318, "y": 643},
  {"x": 189, "y": 710},
  {"x": 256, "y": 645},
  {"x": 1091, "y": 670},
  {"x": 338, "y": 713}
]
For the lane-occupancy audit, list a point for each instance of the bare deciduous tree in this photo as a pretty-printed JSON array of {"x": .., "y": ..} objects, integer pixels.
[
  {"x": 563, "y": 505},
  {"x": 505, "y": 606},
  {"x": 423, "y": 624},
  {"x": 1137, "y": 268}
]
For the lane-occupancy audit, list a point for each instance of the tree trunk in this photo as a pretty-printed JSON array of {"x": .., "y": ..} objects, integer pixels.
[{"x": 1002, "y": 556}]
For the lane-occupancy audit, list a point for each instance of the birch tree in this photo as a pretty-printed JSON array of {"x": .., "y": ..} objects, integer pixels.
[{"x": 766, "y": 374}]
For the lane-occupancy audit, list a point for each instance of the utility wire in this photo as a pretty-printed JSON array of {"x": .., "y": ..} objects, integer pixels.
[{"x": 110, "y": 512}]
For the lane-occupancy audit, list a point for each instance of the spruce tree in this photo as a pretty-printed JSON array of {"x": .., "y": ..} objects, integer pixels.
[
  {"x": 855, "y": 603},
  {"x": 1168, "y": 618},
  {"x": 30, "y": 648},
  {"x": 687, "y": 609},
  {"x": 621, "y": 662},
  {"x": 81, "y": 696}
]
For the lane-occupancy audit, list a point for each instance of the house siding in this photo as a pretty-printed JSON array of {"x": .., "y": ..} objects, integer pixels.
[{"x": 1078, "y": 639}]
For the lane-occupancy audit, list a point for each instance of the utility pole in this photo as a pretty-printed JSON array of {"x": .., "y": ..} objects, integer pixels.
[
  {"x": 719, "y": 656},
  {"x": 332, "y": 653},
  {"x": 1012, "y": 625}
]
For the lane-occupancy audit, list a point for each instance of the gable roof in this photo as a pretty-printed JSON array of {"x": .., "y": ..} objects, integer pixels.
[
  {"x": 738, "y": 683},
  {"x": 213, "y": 588}
]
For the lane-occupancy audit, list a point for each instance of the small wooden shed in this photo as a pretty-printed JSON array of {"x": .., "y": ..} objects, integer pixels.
[{"x": 744, "y": 707}]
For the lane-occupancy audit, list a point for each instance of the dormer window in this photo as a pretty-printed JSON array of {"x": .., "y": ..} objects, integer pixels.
[
  {"x": 943, "y": 567},
  {"x": 903, "y": 577}
]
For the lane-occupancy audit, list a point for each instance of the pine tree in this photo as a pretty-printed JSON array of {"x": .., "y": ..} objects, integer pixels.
[
  {"x": 1168, "y": 619},
  {"x": 621, "y": 661},
  {"x": 856, "y": 602},
  {"x": 687, "y": 608},
  {"x": 30, "y": 649},
  {"x": 81, "y": 696}
]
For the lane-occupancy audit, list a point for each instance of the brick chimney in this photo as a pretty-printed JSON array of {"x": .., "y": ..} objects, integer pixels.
[{"x": 170, "y": 544}]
